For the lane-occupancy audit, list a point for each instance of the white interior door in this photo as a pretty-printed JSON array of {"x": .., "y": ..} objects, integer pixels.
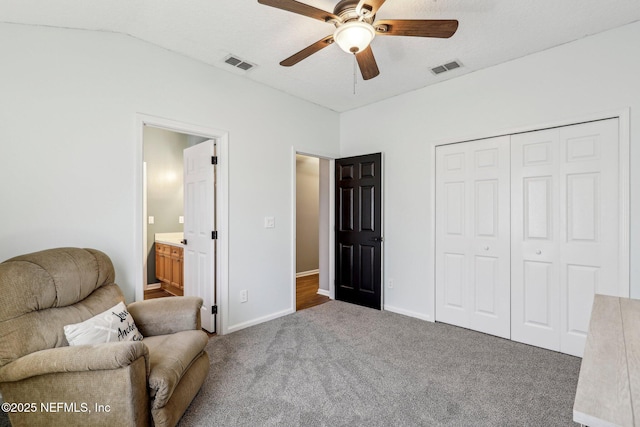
[
  {"x": 472, "y": 235},
  {"x": 535, "y": 200},
  {"x": 565, "y": 231},
  {"x": 199, "y": 225}
]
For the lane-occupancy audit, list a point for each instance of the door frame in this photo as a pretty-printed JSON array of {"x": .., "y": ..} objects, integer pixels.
[
  {"x": 331, "y": 238},
  {"x": 222, "y": 206},
  {"x": 331, "y": 157},
  {"x": 624, "y": 123}
]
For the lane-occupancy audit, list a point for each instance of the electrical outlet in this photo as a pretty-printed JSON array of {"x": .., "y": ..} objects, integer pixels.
[
  {"x": 269, "y": 222},
  {"x": 151, "y": 220},
  {"x": 390, "y": 283},
  {"x": 244, "y": 297},
  {"x": 180, "y": 219}
]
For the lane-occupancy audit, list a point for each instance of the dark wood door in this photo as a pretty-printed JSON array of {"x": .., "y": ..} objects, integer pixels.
[{"x": 359, "y": 230}]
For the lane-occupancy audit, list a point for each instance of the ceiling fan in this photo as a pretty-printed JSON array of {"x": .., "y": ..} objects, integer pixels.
[{"x": 356, "y": 27}]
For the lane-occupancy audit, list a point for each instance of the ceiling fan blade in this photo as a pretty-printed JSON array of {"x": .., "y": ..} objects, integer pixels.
[
  {"x": 367, "y": 63},
  {"x": 372, "y": 5},
  {"x": 442, "y": 28},
  {"x": 307, "y": 51},
  {"x": 301, "y": 9}
]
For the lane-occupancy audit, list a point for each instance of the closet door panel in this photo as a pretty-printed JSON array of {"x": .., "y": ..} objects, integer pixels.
[
  {"x": 452, "y": 236},
  {"x": 565, "y": 222},
  {"x": 486, "y": 284},
  {"x": 535, "y": 317},
  {"x": 538, "y": 291},
  {"x": 472, "y": 235},
  {"x": 589, "y": 243},
  {"x": 454, "y": 278}
]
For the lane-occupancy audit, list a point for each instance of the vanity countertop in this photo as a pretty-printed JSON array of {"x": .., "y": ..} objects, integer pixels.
[{"x": 173, "y": 239}]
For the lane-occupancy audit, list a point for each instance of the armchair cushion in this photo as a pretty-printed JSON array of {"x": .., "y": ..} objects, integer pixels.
[
  {"x": 170, "y": 357},
  {"x": 163, "y": 316},
  {"x": 75, "y": 359},
  {"x": 55, "y": 287},
  {"x": 25, "y": 334},
  {"x": 112, "y": 325}
]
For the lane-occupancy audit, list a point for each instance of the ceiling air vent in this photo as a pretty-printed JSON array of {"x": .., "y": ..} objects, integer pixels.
[
  {"x": 446, "y": 67},
  {"x": 236, "y": 62}
]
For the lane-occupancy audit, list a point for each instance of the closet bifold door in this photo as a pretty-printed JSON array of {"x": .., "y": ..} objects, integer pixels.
[
  {"x": 564, "y": 231},
  {"x": 472, "y": 235}
]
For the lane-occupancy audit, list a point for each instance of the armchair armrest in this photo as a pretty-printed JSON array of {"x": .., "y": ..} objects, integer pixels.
[
  {"x": 75, "y": 359},
  {"x": 162, "y": 316}
]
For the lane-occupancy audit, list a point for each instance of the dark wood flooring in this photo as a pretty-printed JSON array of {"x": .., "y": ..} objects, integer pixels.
[
  {"x": 156, "y": 293},
  {"x": 307, "y": 292}
]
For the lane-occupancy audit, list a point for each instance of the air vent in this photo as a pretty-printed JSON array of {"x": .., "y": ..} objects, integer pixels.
[
  {"x": 232, "y": 61},
  {"x": 236, "y": 62},
  {"x": 245, "y": 66},
  {"x": 439, "y": 69},
  {"x": 446, "y": 67}
]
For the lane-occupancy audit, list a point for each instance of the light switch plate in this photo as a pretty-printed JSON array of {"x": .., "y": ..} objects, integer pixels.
[
  {"x": 180, "y": 219},
  {"x": 152, "y": 220},
  {"x": 269, "y": 222}
]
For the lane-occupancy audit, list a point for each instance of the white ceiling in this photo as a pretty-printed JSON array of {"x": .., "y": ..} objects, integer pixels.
[{"x": 490, "y": 32}]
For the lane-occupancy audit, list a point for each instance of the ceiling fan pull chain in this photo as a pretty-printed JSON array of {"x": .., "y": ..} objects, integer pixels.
[{"x": 355, "y": 66}]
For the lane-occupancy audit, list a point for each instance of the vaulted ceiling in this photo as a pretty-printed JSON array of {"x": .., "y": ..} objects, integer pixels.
[{"x": 490, "y": 32}]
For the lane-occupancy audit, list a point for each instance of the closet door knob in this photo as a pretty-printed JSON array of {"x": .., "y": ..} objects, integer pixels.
[
  {"x": 538, "y": 252},
  {"x": 486, "y": 248}
]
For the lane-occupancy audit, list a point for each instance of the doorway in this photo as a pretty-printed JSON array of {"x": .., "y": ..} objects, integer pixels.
[
  {"x": 194, "y": 134},
  {"x": 312, "y": 231},
  {"x": 360, "y": 281},
  {"x": 164, "y": 206}
]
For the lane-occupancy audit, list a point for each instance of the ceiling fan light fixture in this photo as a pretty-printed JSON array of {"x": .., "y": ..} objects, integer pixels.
[{"x": 354, "y": 36}]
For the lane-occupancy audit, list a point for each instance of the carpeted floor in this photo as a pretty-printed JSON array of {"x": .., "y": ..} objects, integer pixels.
[
  {"x": 343, "y": 365},
  {"x": 338, "y": 364}
]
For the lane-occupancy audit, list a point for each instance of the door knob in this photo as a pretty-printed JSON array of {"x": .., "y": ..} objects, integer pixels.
[
  {"x": 486, "y": 248},
  {"x": 538, "y": 252}
]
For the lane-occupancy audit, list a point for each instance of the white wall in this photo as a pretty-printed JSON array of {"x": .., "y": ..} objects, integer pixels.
[
  {"x": 596, "y": 74},
  {"x": 68, "y": 152},
  {"x": 307, "y": 213}
]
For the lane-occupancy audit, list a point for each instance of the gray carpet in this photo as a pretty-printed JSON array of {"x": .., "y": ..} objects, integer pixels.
[
  {"x": 342, "y": 365},
  {"x": 338, "y": 364}
]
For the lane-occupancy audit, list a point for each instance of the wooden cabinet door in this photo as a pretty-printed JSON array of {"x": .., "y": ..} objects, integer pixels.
[
  {"x": 160, "y": 270},
  {"x": 176, "y": 268}
]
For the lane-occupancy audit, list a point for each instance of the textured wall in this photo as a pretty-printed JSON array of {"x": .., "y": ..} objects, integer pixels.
[{"x": 307, "y": 213}]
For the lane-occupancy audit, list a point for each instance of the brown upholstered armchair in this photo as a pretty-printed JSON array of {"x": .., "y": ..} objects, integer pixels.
[{"x": 127, "y": 383}]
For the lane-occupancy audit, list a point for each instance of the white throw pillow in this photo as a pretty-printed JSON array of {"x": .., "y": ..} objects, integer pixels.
[{"x": 115, "y": 324}]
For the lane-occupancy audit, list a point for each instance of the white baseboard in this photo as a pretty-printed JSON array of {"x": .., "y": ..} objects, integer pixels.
[
  {"x": 409, "y": 313},
  {"x": 308, "y": 273},
  {"x": 259, "y": 320},
  {"x": 153, "y": 286},
  {"x": 324, "y": 292}
]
